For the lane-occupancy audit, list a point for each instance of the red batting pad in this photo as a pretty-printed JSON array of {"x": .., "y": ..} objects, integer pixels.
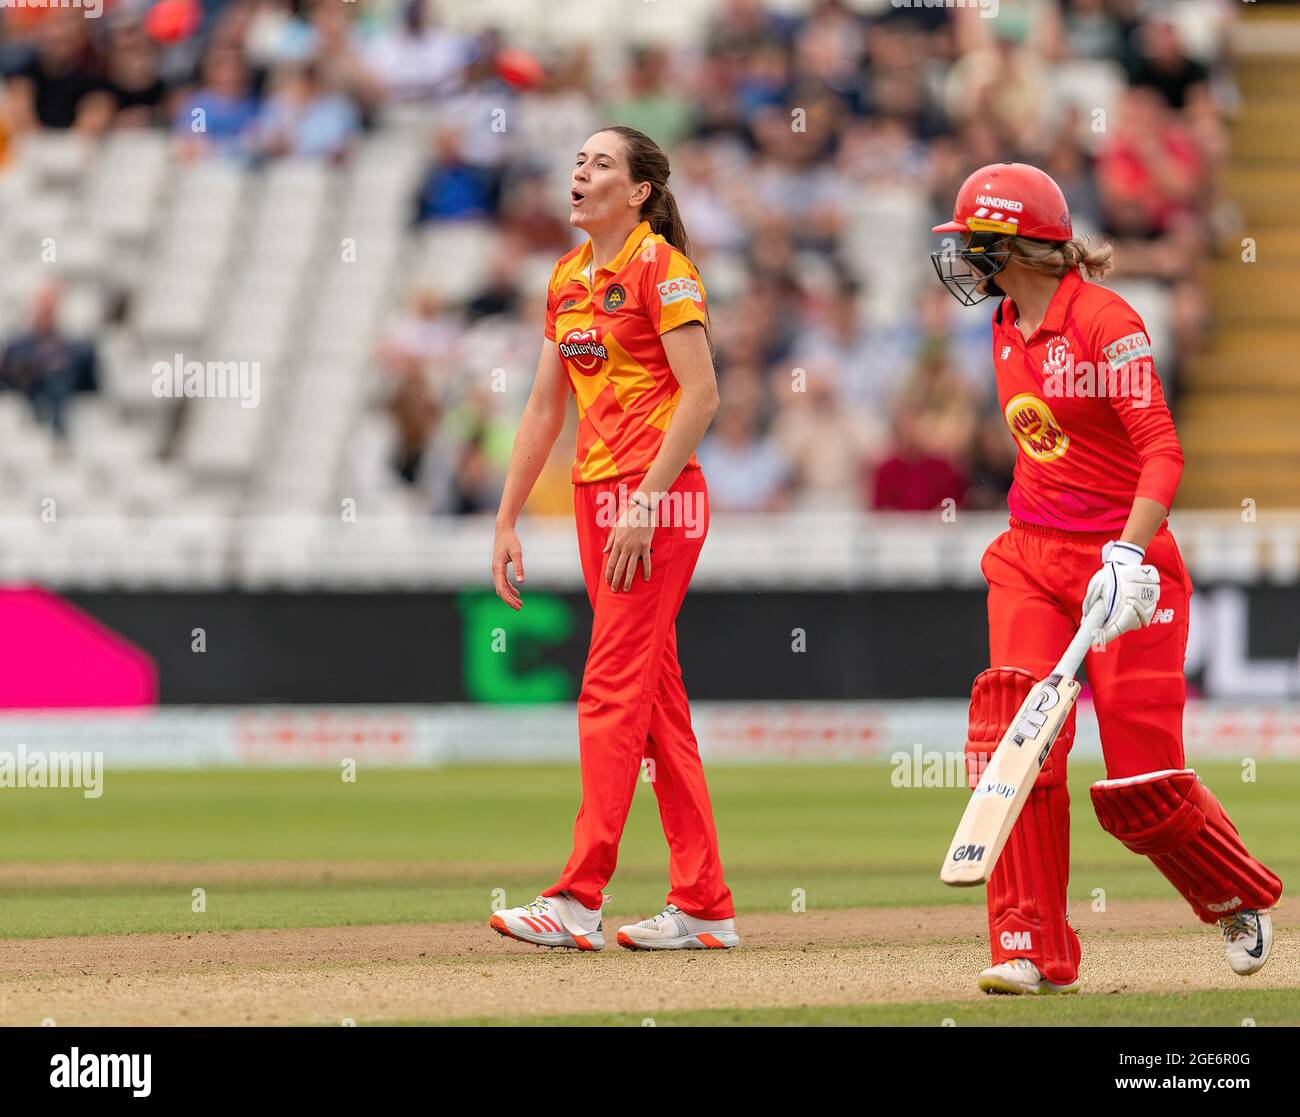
[
  {"x": 996, "y": 698},
  {"x": 1175, "y": 820},
  {"x": 1027, "y": 891}
]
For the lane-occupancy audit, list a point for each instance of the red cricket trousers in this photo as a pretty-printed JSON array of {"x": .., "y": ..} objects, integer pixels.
[
  {"x": 1037, "y": 578},
  {"x": 633, "y": 703}
]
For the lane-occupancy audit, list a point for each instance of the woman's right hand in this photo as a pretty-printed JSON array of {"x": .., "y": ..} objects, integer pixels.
[{"x": 507, "y": 551}]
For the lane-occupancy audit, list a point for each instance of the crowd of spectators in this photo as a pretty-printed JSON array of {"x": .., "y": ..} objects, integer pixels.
[{"x": 824, "y": 403}]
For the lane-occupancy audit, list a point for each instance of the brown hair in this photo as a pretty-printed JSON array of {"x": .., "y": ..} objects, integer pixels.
[
  {"x": 646, "y": 162},
  {"x": 1058, "y": 257}
]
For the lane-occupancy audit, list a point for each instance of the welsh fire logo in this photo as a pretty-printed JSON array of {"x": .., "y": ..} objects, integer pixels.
[
  {"x": 583, "y": 350},
  {"x": 1036, "y": 428}
]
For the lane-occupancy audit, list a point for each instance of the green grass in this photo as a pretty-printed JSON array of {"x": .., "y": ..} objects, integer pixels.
[
  {"x": 1225, "y": 1009},
  {"x": 842, "y": 834}
]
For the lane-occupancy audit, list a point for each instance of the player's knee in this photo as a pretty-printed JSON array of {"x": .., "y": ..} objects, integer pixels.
[
  {"x": 1155, "y": 812},
  {"x": 996, "y": 698}
]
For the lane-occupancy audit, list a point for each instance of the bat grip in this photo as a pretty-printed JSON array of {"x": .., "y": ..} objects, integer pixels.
[{"x": 1082, "y": 641}]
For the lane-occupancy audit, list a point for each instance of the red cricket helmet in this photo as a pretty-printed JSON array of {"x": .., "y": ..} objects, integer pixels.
[{"x": 997, "y": 202}]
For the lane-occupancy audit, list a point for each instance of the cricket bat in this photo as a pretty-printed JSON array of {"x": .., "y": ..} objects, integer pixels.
[{"x": 1000, "y": 795}]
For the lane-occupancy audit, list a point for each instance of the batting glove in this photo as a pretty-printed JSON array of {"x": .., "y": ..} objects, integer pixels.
[{"x": 1130, "y": 589}]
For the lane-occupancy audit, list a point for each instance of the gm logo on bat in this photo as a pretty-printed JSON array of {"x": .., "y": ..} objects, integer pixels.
[{"x": 968, "y": 853}]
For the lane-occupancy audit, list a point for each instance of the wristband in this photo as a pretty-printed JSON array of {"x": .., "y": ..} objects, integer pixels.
[{"x": 1126, "y": 554}]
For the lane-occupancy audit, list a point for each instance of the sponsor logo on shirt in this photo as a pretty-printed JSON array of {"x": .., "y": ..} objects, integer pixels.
[
  {"x": 568, "y": 303},
  {"x": 1006, "y": 352},
  {"x": 583, "y": 350},
  {"x": 1035, "y": 428},
  {"x": 1125, "y": 349},
  {"x": 1059, "y": 359},
  {"x": 1162, "y": 616},
  {"x": 615, "y": 297},
  {"x": 675, "y": 290}
]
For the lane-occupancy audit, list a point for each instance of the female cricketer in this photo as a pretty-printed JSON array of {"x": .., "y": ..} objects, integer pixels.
[
  {"x": 1097, "y": 465},
  {"x": 626, "y": 332}
]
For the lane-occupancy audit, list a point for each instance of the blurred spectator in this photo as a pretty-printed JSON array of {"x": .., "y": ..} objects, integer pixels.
[
  {"x": 652, "y": 102},
  {"x": 301, "y": 118},
  {"x": 46, "y": 365},
  {"x": 135, "y": 77},
  {"x": 418, "y": 336},
  {"x": 1164, "y": 66},
  {"x": 416, "y": 59},
  {"x": 745, "y": 471},
  {"x": 528, "y": 219},
  {"x": 499, "y": 295},
  {"x": 934, "y": 425},
  {"x": 1150, "y": 170},
  {"x": 455, "y": 188},
  {"x": 60, "y": 85},
  {"x": 827, "y": 445},
  {"x": 1090, "y": 31},
  {"x": 216, "y": 117},
  {"x": 339, "y": 53}
]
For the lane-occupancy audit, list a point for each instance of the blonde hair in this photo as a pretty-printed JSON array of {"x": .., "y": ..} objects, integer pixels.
[{"x": 1057, "y": 257}]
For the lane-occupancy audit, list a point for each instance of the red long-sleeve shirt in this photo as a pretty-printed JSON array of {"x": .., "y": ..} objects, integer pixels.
[{"x": 1082, "y": 399}]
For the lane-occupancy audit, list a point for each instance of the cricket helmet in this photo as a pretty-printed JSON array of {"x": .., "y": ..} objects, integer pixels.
[{"x": 996, "y": 203}]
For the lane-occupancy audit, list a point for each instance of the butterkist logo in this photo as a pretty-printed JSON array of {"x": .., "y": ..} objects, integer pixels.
[{"x": 583, "y": 349}]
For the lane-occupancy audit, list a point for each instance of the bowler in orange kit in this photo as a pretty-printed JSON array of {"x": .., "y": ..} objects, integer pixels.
[
  {"x": 626, "y": 334},
  {"x": 1097, "y": 467}
]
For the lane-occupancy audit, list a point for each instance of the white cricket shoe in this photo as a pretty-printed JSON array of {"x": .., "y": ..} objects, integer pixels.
[
  {"x": 673, "y": 929},
  {"x": 1247, "y": 940},
  {"x": 1020, "y": 976},
  {"x": 552, "y": 921}
]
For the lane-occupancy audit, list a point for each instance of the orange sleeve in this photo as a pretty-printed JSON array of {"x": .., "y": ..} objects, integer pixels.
[
  {"x": 1122, "y": 350},
  {"x": 676, "y": 293}
]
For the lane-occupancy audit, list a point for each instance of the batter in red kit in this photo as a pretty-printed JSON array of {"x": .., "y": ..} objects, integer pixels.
[{"x": 1097, "y": 468}]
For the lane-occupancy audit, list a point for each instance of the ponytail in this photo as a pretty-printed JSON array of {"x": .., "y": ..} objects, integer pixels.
[{"x": 1058, "y": 257}]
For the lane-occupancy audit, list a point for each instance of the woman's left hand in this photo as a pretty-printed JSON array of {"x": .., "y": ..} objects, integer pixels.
[{"x": 628, "y": 544}]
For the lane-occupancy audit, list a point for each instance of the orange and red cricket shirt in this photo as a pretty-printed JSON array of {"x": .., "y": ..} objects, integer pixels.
[{"x": 608, "y": 329}]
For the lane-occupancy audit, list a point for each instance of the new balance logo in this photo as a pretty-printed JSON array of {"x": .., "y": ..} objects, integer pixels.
[
  {"x": 1006, "y": 352},
  {"x": 1162, "y": 616}
]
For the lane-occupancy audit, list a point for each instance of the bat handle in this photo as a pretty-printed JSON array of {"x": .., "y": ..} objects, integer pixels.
[{"x": 1082, "y": 641}]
